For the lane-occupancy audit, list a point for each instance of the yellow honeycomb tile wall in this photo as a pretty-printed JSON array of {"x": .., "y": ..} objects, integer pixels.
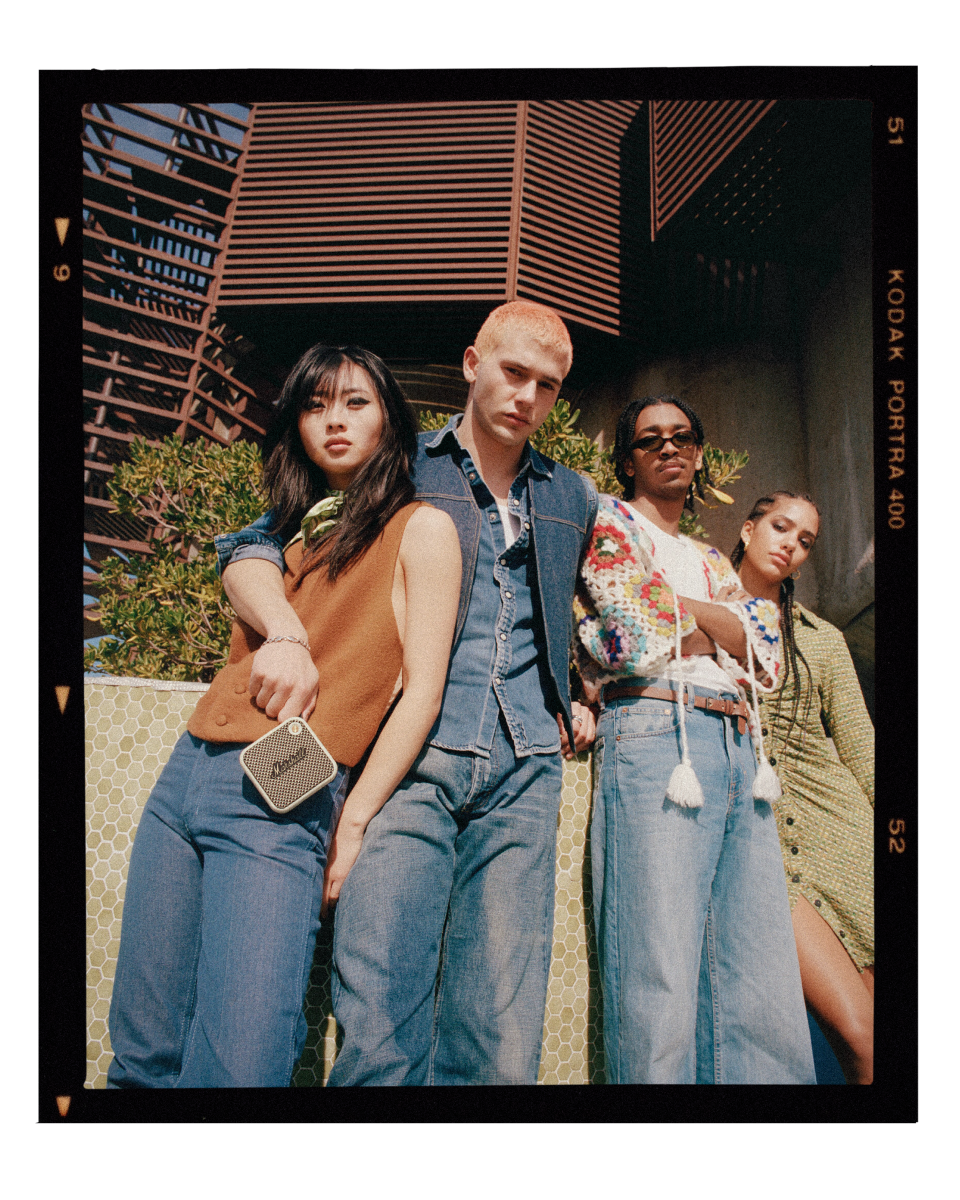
[{"x": 132, "y": 726}]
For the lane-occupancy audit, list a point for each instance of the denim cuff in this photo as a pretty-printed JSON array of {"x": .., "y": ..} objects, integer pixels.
[{"x": 232, "y": 547}]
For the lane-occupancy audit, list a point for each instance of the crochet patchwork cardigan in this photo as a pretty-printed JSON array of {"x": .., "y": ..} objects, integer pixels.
[{"x": 625, "y": 611}]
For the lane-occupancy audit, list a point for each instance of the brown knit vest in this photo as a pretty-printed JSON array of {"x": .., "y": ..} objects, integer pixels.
[{"x": 356, "y": 648}]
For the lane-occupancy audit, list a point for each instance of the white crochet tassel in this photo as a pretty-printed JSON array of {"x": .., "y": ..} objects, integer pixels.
[
  {"x": 766, "y": 784},
  {"x": 684, "y": 788}
]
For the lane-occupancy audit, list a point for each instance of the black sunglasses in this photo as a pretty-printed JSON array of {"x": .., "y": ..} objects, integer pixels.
[{"x": 652, "y": 442}]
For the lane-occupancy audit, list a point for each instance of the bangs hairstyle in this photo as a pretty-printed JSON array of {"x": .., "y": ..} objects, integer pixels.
[
  {"x": 536, "y": 320},
  {"x": 793, "y": 656},
  {"x": 380, "y": 488},
  {"x": 626, "y": 436}
]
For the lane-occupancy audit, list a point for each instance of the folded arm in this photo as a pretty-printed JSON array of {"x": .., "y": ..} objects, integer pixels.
[
  {"x": 757, "y": 617},
  {"x": 624, "y": 611},
  {"x": 719, "y": 624}
]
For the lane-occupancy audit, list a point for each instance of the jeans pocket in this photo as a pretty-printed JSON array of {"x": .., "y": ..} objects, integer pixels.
[
  {"x": 647, "y": 751},
  {"x": 648, "y": 718}
]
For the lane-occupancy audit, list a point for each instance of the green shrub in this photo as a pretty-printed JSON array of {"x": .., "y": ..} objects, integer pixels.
[{"x": 164, "y": 614}]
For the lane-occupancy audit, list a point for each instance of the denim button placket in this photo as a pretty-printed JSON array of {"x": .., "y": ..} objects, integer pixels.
[{"x": 501, "y": 607}]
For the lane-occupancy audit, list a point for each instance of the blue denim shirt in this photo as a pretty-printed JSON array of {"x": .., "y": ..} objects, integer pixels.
[
  {"x": 562, "y": 507},
  {"x": 496, "y": 661}
]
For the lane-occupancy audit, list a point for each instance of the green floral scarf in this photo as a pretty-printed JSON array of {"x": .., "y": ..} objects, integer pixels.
[{"x": 320, "y": 519}]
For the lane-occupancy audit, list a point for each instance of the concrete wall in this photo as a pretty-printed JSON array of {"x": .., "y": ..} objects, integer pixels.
[
  {"x": 837, "y": 389},
  {"x": 803, "y": 409}
]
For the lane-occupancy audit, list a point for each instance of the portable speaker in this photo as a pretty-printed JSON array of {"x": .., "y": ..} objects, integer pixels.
[{"x": 288, "y": 764}]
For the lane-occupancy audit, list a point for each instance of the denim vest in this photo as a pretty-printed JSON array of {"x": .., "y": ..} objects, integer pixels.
[
  {"x": 499, "y": 657},
  {"x": 562, "y": 509}
]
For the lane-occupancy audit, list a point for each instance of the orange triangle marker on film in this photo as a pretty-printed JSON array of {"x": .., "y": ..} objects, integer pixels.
[
  {"x": 62, "y": 224},
  {"x": 63, "y": 1105},
  {"x": 63, "y": 694}
]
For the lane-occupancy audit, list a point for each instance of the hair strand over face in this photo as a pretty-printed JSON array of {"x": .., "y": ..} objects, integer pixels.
[{"x": 380, "y": 487}]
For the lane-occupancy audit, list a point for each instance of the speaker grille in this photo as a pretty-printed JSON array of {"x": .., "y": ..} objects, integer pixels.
[{"x": 288, "y": 764}]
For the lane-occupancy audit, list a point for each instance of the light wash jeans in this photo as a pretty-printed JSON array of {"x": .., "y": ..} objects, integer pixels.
[
  {"x": 697, "y": 955},
  {"x": 220, "y": 922},
  {"x": 456, "y": 876}
]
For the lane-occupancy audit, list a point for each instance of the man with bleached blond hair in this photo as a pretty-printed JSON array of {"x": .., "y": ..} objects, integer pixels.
[{"x": 444, "y": 924}]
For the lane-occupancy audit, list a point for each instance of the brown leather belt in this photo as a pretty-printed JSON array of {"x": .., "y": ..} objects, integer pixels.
[{"x": 713, "y": 704}]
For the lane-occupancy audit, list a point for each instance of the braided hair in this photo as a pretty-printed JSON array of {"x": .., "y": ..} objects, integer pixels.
[
  {"x": 793, "y": 655},
  {"x": 626, "y": 430}
]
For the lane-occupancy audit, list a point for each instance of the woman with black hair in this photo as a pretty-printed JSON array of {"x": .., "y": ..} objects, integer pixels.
[
  {"x": 825, "y": 818},
  {"x": 224, "y": 895}
]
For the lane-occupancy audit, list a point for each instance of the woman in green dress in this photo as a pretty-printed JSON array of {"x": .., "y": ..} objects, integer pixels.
[{"x": 825, "y": 818}]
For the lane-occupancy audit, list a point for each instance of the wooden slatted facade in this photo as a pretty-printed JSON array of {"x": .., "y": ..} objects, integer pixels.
[
  {"x": 569, "y": 228},
  {"x": 689, "y": 139},
  {"x": 158, "y": 186},
  {"x": 354, "y": 202},
  {"x": 456, "y": 202}
]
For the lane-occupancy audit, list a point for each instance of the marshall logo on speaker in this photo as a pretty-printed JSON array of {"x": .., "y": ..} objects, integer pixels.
[
  {"x": 268, "y": 762},
  {"x": 284, "y": 764}
]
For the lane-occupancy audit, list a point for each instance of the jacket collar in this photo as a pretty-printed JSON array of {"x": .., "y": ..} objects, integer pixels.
[
  {"x": 807, "y": 616},
  {"x": 445, "y": 441}
]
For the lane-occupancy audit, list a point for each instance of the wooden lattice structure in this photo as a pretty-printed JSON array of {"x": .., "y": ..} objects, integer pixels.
[
  {"x": 203, "y": 219},
  {"x": 159, "y": 188},
  {"x": 448, "y": 201}
]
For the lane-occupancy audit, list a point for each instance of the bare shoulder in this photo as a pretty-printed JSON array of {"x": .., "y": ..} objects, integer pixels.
[
  {"x": 429, "y": 522},
  {"x": 430, "y": 533}
]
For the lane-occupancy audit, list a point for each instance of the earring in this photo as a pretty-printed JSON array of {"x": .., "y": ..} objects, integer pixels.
[{"x": 795, "y": 574}]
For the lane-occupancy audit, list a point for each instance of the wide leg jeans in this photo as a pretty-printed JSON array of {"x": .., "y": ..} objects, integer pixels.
[
  {"x": 444, "y": 926},
  {"x": 697, "y": 955},
  {"x": 220, "y": 922}
]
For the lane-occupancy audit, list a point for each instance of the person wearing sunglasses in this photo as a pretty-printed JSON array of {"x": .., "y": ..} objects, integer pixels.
[{"x": 697, "y": 959}]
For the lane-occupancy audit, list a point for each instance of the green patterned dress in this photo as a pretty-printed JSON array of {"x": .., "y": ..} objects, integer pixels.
[{"x": 825, "y": 818}]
